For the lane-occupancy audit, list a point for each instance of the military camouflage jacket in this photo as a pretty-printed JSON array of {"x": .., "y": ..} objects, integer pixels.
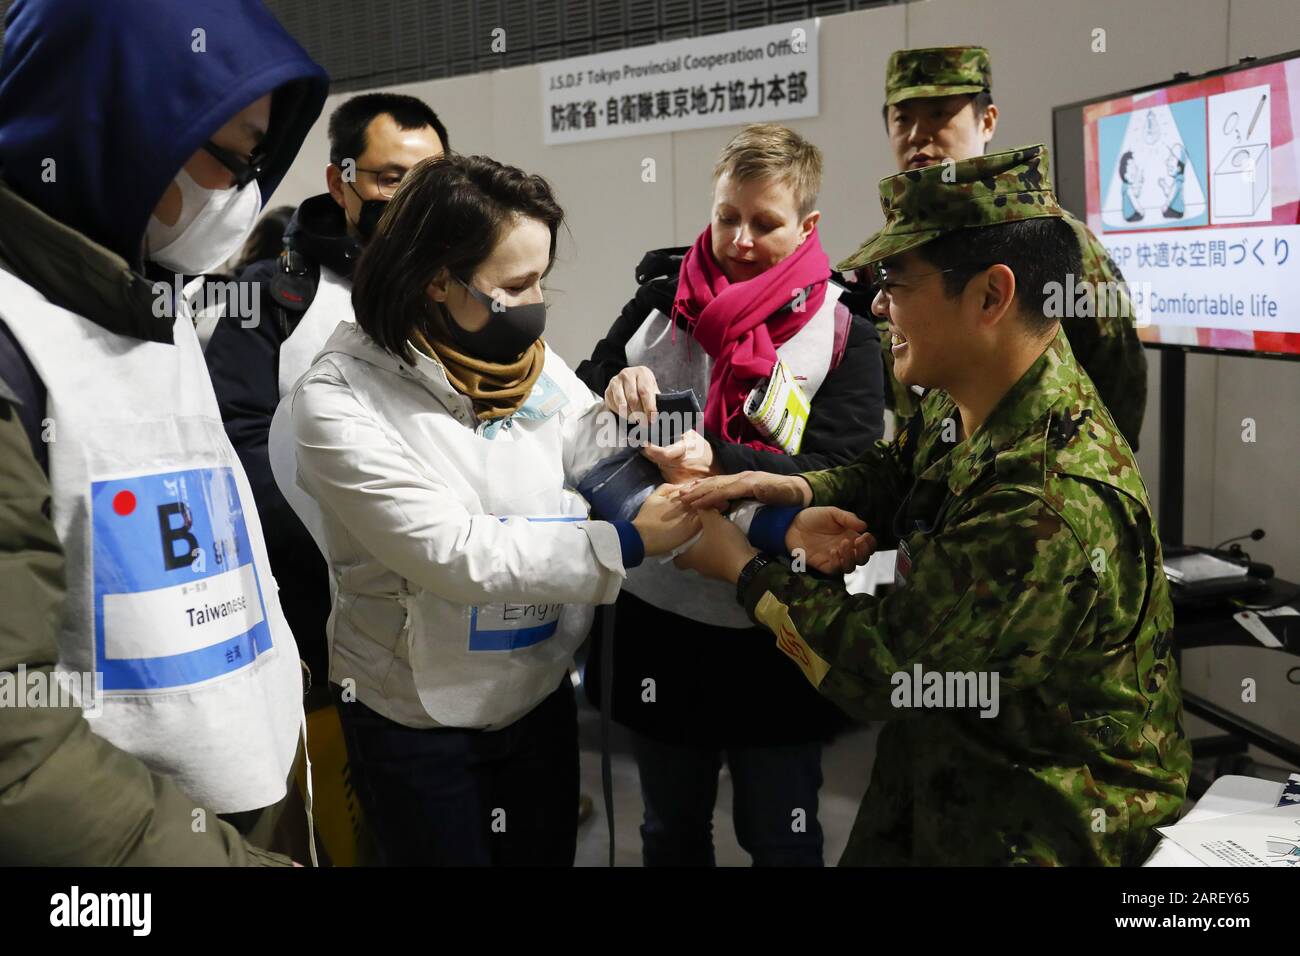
[
  {"x": 1105, "y": 344},
  {"x": 1027, "y": 551}
]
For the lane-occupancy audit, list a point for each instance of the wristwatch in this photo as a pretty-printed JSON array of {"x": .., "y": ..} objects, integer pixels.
[{"x": 756, "y": 564}]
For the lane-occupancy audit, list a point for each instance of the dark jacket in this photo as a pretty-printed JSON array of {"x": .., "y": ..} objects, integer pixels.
[
  {"x": 720, "y": 686},
  {"x": 116, "y": 96},
  {"x": 244, "y": 363}
]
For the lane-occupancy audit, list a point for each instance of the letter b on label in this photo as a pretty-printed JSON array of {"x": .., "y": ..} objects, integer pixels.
[{"x": 172, "y": 533}]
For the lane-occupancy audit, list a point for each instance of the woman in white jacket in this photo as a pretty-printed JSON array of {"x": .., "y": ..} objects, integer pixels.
[{"x": 441, "y": 437}]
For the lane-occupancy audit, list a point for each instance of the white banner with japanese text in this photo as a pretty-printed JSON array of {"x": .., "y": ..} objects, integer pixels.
[{"x": 762, "y": 75}]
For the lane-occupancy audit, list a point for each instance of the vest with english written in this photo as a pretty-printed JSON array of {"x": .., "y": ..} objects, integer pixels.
[{"x": 170, "y": 597}]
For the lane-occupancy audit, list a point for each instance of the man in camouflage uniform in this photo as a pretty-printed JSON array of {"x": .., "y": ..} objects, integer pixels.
[
  {"x": 939, "y": 107},
  {"x": 1027, "y": 549}
]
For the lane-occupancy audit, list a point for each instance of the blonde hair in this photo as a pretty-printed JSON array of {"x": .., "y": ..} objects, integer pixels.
[{"x": 773, "y": 151}]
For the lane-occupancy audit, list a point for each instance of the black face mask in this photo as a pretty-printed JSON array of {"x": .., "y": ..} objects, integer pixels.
[
  {"x": 368, "y": 218},
  {"x": 371, "y": 210},
  {"x": 509, "y": 331}
]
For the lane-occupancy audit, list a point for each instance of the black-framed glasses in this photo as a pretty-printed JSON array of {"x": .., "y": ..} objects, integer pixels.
[{"x": 244, "y": 170}]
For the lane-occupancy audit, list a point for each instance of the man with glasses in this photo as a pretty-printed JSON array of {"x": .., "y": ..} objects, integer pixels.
[
  {"x": 303, "y": 295},
  {"x": 1023, "y": 659},
  {"x": 939, "y": 109}
]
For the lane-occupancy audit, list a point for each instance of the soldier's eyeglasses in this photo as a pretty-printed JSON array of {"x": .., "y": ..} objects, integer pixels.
[
  {"x": 883, "y": 281},
  {"x": 244, "y": 170}
]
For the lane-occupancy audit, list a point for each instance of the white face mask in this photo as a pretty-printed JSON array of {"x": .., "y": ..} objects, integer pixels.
[{"x": 213, "y": 224}]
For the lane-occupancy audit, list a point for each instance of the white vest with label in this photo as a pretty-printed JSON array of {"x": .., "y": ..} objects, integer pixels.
[
  {"x": 169, "y": 589},
  {"x": 331, "y": 305},
  {"x": 679, "y": 362}
]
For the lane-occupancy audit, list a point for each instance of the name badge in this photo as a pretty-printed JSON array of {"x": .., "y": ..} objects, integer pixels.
[
  {"x": 508, "y": 627},
  {"x": 177, "y": 597},
  {"x": 903, "y": 565}
]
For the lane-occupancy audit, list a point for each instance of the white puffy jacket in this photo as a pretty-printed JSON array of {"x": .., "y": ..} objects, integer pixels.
[{"x": 464, "y": 568}]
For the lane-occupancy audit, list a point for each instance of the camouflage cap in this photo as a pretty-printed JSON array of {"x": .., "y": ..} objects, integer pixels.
[
  {"x": 923, "y": 204},
  {"x": 937, "y": 71}
]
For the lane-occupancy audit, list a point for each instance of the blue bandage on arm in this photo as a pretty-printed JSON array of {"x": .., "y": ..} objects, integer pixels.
[
  {"x": 629, "y": 540},
  {"x": 767, "y": 530}
]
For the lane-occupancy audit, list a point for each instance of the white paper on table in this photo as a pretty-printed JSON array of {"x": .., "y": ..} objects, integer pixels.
[{"x": 1268, "y": 837}]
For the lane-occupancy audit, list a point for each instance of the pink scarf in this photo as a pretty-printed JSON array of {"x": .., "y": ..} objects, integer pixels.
[{"x": 742, "y": 324}]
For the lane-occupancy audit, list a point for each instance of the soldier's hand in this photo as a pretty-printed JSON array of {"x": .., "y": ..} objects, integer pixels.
[
  {"x": 833, "y": 541},
  {"x": 711, "y": 494}
]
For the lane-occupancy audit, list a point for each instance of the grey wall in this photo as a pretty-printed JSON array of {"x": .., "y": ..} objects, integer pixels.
[{"x": 1042, "y": 57}]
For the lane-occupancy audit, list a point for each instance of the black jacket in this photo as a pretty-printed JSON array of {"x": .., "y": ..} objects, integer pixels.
[
  {"x": 244, "y": 364},
  {"x": 716, "y": 686}
]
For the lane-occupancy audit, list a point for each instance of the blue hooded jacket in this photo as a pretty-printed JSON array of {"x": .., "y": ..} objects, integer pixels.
[{"x": 120, "y": 95}]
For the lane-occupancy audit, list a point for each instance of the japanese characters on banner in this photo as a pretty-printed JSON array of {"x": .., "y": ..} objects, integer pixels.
[
  {"x": 1192, "y": 188},
  {"x": 760, "y": 75}
]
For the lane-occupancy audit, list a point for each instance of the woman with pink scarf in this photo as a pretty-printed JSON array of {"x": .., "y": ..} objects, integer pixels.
[{"x": 694, "y": 681}]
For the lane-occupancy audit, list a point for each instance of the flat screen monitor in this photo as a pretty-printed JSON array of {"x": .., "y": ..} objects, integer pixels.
[{"x": 1193, "y": 186}]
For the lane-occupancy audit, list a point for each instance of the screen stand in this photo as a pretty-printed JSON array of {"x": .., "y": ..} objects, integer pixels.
[{"x": 1173, "y": 422}]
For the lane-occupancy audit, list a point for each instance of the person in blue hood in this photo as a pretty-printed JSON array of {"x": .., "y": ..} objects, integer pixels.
[{"x": 138, "y": 141}]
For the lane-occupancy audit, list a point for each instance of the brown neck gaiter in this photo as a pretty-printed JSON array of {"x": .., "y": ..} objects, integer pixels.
[{"x": 496, "y": 390}]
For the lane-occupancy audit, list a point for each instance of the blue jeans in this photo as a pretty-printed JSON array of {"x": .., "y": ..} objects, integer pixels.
[
  {"x": 774, "y": 807},
  {"x": 449, "y": 797}
]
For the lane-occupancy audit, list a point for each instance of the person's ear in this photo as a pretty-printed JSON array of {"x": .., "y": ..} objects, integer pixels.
[
  {"x": 997, "y": 292},
  {"x": 334, "y": 183},
  {"x": 809, "y": 223},
  {"x": 989, "y": 121},
  {"x": 439, "y": 286}
]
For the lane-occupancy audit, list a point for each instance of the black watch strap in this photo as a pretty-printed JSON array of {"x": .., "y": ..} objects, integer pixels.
[{"x": 756, "y": 564}]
